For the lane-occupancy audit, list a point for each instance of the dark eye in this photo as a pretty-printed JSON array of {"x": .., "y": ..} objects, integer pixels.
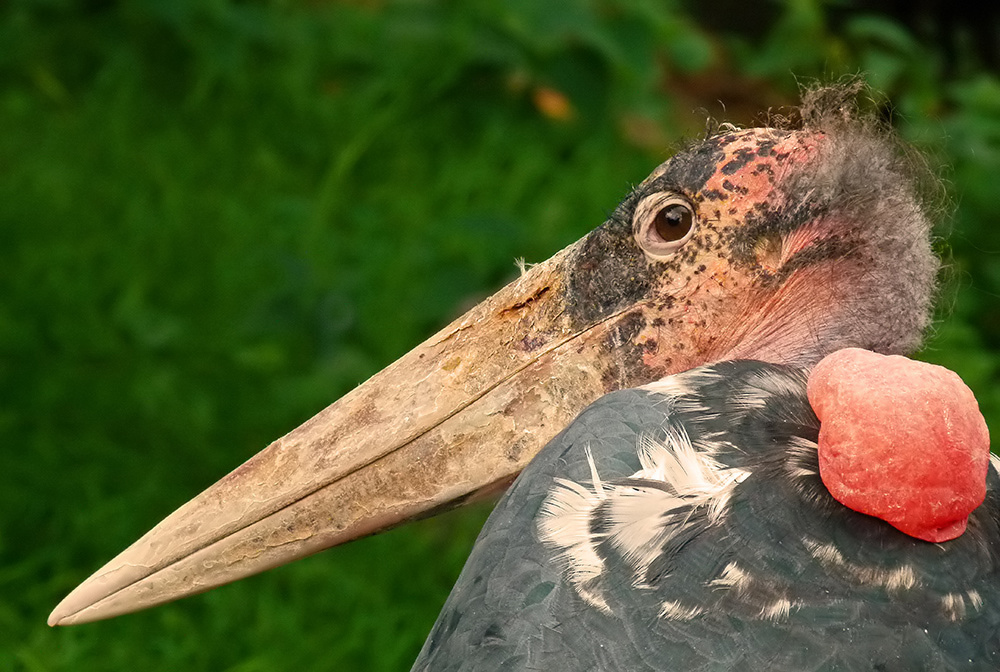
[
  {"x": 673, "y": 222},
  {"x": 663, "y": 223}
]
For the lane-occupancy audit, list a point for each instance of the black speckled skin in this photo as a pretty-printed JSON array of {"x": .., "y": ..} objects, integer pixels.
[{"x": 512, "y": 608}]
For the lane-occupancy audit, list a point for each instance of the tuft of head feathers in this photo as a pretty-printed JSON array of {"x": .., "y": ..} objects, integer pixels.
[
  {"x": 881, "y": 188},
  {"x": 840, "y": 254}
]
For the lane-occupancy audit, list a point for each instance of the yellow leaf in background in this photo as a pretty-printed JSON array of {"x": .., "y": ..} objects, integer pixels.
[{"x": 552, "y": 103}]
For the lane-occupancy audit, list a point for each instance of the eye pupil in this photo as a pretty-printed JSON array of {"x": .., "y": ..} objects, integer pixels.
[
  {"x": 673, "y": 222},
  {"x": 663, "y": 223}
]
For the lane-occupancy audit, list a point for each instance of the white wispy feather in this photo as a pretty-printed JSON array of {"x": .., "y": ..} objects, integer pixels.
[{"x": 642, "y": 514}]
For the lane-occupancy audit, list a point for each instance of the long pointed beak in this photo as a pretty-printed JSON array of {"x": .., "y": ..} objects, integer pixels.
[
  {"x": 456, "y": 418},
  {"x": 464, "y": 412}
]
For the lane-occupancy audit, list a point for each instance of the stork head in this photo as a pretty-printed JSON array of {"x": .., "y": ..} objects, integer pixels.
[{"x": 776, "y": 244}]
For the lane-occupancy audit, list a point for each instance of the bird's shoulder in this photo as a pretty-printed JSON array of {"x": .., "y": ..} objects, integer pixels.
[{"x": 684, "y": 526}]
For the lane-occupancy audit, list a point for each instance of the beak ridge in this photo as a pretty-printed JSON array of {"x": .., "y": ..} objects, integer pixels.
[{"x": 455, "y": 419}]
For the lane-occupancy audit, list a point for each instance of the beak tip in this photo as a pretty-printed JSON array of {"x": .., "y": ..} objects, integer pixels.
[
  {"x": 60, "y": 615},
  {"x": 72, "y": 612},
  {"x": 68, "y": 610},
  {"x": 80, "y": 600}
]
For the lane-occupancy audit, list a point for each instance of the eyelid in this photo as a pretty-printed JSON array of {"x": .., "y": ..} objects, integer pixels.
[{"x": 645, "y": 216}]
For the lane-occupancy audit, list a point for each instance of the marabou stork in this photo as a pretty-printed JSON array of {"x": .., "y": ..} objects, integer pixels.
[{"x": 677, "y": 525}]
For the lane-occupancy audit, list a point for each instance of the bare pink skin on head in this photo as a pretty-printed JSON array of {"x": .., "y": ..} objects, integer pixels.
[{"x": 900, "y": 440}]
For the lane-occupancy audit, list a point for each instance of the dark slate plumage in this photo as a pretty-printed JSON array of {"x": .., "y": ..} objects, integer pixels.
[{"x": 782, "y": 578}]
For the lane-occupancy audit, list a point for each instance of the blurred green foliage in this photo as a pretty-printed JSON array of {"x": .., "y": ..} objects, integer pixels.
[{"x": 216, "y": 217}]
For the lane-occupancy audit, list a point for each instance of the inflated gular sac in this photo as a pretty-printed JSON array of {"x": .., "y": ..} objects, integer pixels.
[{"x": 900, "y": 440}]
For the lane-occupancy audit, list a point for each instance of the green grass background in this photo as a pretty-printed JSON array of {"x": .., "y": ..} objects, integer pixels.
[{"x": 216, "y": 217}]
